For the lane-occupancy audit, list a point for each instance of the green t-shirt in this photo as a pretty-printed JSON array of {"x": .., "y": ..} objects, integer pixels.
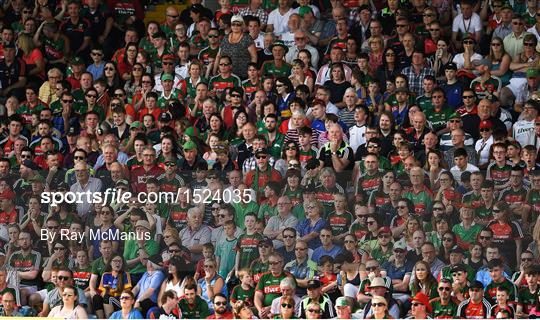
[
  {"x": 467, "y": 236},
  {"x": 241, "y": 211},
  {"x": 339, "y": 223},
  {"x": 441, "y": 311},
  {"x": 422, "y": 201},
  {"x": 247, "y": 249},
  {"x": 438, "y": 119},
  {"x": 227, "y": 256},
  {"x": 239, "y": 294},
  {"x": 98, "y": 266},
  {"x": 266, "y": 211},
  {"x": 269, "y": 286},
  {"x": 270, "y": 68},
  {"x": 199, "y": 310},
  {"x": 22, "y": 263},
  {"x": 131, "y": 251}
]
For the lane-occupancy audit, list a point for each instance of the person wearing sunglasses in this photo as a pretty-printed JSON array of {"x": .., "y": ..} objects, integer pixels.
[
  {"x": 476, "y": 306},
  {"x": 127, "y": 300},
  {"x": 444, "y": 305},
  {"x": 315, "y": 304},
  {"x": 69, "y": 308},
  {"x": 220, "y": 308},
  {"x": 286, "y": 310},
  {"x": 378, "y": 309},
  {"x": 55, "y": 297}
]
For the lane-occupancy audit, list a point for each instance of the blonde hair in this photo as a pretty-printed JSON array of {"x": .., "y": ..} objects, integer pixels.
[{"x": 26, "y": 43}]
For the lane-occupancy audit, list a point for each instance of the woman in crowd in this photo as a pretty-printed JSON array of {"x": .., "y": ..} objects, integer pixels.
[
  {"x": 113, "y": 282},
  {"x": 69, "y": 308},
  {"x": 423, "y": 280}
]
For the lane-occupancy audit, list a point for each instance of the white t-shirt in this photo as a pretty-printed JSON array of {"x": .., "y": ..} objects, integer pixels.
[
  {"x": 280, "y": 22},
  {"x": 357, "y": 136},
  {"x": 524, "y": 133},
  {"x": 460, "y": 61},
  {"x": 472, "y": 25},
  {"x": 483, "y": 157},
  {"x": 456, "y": 172}
]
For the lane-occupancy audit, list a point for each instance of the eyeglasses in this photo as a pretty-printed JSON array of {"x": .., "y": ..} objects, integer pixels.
[
  {"x": 109, "y": 69},
  {"x": 526, "y": 259},
  {"x": 290, "y": 148},
  {"x": 416, "y": 304},
  {"x": 314, "y": 310},
  {"x": 286, "y": 305},
  {"x": 468, "y": 97},
  {"x": 67, "y": 295},
  {"x": 63, "y": 278},
  {"x": 172, "y": 16},
  {"x": 401, "y": 25},
  {"x": 118, "y": 95},
  {"x": 448, "y": 239},
  {"x": 386, "y": 236},
  {"x": 484, "y": 238},
  {"x": 27, "y": 11},
  {"x": 261, "y": 157},
  {"x": 428, "y": 15},
  {"x": 91, "y": 96},
  {"x": 125, "y": 298},
  {"x": 175, "y": 250},
  {"x": 79, "y": 158},
  {"x": 96, "y": 53},
  {"x": 171, "y": 164},
  {"x": 167, "y": 63},
  {"x": 495, "y": 44},
  {"x": 378, "y": 304},
  {"x": 59, "y": 248},
  {"x": 372, "y": 146},
  {"x": 279, "y": 85},
  {"x": 438, "y": 209},
  {"x": 236, "y": 96},
  {"x": 67, "y": 101},
  {"x": 300, "y": 38},
  {"x": 220, "y": 303},
  {"x": 371, "y": 268},
  {"x": 390, "y": 54},
  {"x": 146, "y": 81},
  {"x": 26, "y": 156},
  {"x": 401, "y": 207},
  {"x": 434, "y": 29},
  {"x": 224, "y": 64},
  {"x": 213, "y": 36},
  {"x": 137, "y": 69},
  {"x": 528, "y": 44},
  {"x": 444, "y": 289},
  {"x": 485, "y": 129},
  {"x": 370, "y": 222}
]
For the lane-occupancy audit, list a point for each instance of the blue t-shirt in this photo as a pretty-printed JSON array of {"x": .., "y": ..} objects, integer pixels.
[
  {"x": 133, "y": 314},
  {"x": 154, "y": 281},
  {"x": 320, "y": 251},
  {"x": 304, "y": 227}
]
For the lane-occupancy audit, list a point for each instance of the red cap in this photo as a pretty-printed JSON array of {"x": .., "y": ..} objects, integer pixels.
[
  {"x": 423, "y": 299},
  {"x": 486, "y": 124},
  {"x": 7, "y": 194},
  {"x": 167, "y": 57},
  {"x": 385, "y": 230}
]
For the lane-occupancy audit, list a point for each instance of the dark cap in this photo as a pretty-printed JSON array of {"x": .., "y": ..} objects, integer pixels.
[
  {"x": 165, "y": 117},
  {"x": 450, "y": 66},
  {"x": 458, "y": 268},
  {"x": 122, "y": 182},
  {"x": 476, "y": 284},
  {"x": 10, "y": 44},
  {"x": 457, "y": 249},
  {"x": 314, "y": 284},
  {"x": 72, "y": 132},
  {"x": 261, "y": 151},
  {"x": 7, "y": 195}
]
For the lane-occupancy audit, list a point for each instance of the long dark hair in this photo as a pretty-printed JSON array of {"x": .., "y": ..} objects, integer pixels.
[{"x": 121, "y": 272}]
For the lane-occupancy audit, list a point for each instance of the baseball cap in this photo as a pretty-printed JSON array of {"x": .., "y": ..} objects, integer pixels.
[
  {"x": 423, "y": 299},
  {"x": 400, "y": 246},
  {"x": 261, "y": 151},
  {"x": 401, "y": 89},
  {"x": 167, "y": 57},
  {"x": 457, "y": 249},
  {"x": 37, "y": 178},
  {"x": 237, "y": 18},
  {"x": 189, "y": 145},
  {"x": 450, "y": 66},
  {"x": 314, "y": 284},
  {"x": 72, "y": 131},
  {"x": 167, "y": 76},
  {"x": 143, "y": 224},
  {"x": 303, "y": 10},
  {"x": 136, "y": 124},
  {"x": 341, "y": 302},
  {"x": 121, "y": 182},
  {"x": 165, "y": 117},
  {"x": 458, "y": 268},
  {"x": 31, "y": 165},
  {"x": 532, "y": 73},
  {"x": 454, "y": 116},
  {"x": 485, "y": 124},
  {"x": 385, "y": 230},
  {"x": 265, "y": 241},
  {"x": 76, "y": 60}
]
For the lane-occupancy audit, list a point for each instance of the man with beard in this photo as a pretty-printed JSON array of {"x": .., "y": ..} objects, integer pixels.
[
  {"x": 273, "y": 137},
  {"x": 192, "y": 305},
  {"x": 220, "y": 308},
  {"x": 27, "y": 263}
]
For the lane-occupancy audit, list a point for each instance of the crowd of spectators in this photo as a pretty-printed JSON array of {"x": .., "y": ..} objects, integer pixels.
[{"x": 270, "y": 159}]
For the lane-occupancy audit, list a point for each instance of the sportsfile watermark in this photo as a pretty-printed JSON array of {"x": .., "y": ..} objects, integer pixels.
[{"x": 112, "y": 195}]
